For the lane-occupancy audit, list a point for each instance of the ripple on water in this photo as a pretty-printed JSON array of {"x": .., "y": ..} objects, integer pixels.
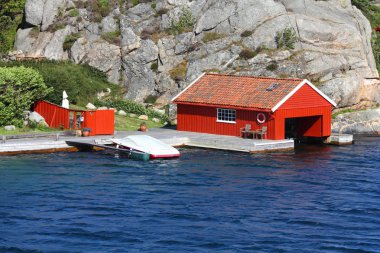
[{"x": 315, "y": 199}]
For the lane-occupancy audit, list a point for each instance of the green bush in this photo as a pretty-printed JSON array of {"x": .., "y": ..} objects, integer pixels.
[
  {"x": 74, "y": 13},
  {"x": 286, "y": 38},
  {"x": 247, "y": 54},
  {"x": 20, "y": 87},
  {"x": 179, "y": 72},
  {"x": 81, "y": 82},
  {"x": 211, "y": 36},
  {"x": 184, "y": 23},
  {"x": 131, "y": 107},
  {"x": 372, "y": 12}
]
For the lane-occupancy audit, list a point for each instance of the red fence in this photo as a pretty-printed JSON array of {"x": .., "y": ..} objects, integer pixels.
[{"x": 100, "y": 121}]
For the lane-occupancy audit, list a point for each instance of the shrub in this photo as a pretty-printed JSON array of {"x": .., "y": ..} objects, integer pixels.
[
  {"x": 210, "y": 36},
  {"x": 184, "y": 23},
  {"x": 81, "y": 82},
  {"x": 131, "y": 107},
  {"x": 286, "y": 38},
  {"x": 161, "y": 12},
  {"x": 20, "y": 87},
  {"x": 112, "y": 37},
  {"x": 151, "y": 99},
  {"x": 70, "y": 40},
  {"x": 247, "y": 54},
  {"x": 179, "y": 72},
  {"x": 246, "y": 33},
  {"x": 154, "y": 66},
  {"x": 74, "y": 13},
  {"x": 272, "y": 67}
]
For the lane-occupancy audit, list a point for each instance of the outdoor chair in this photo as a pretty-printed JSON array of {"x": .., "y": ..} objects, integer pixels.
[
  {"x": 246, "y": 131},
  {"x": 262, "y": 132}
]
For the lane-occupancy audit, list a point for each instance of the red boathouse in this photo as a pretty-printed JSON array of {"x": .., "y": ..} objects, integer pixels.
[{"x": 224, "y": 104}]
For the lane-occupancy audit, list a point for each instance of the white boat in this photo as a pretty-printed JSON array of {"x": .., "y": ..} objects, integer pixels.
[{"x": 147, "y": 144}]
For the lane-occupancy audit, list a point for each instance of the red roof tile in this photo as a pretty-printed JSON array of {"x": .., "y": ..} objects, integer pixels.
[{"x": 237, "y": 91}]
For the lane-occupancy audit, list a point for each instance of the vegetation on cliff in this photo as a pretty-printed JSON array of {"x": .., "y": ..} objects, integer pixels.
[
  {"x": 372, "y": 12},
  {"x": 81, "y": 82},
  {"x": 10, "y": 19}
]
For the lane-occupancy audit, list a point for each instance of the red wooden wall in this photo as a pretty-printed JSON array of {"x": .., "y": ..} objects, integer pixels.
[
  {"x": 100, "y": 121},
  {"x": 195, "y": 118},
  {"x": 54, "y": 115}
]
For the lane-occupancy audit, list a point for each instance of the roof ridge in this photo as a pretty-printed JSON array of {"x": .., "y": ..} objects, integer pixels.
[{"x": 255, "y": 77}]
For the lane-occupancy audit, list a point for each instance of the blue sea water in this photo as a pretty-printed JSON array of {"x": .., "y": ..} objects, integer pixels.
[{"x": 316, "y": 199}]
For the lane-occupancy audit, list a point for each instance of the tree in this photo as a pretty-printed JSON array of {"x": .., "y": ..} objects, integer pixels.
[{"x": 20, "y": 87}]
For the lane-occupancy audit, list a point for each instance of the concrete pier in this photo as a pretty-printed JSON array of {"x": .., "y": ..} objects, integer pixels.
[
  {"x": 341, "y": 139},
  {"x": 169, "y": 136}
]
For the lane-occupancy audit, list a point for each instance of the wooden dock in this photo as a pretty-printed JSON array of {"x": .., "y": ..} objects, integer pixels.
[{"x": 169, "y": 136}]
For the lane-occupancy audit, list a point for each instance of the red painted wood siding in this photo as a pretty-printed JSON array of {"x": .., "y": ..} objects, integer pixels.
[
  {"x": 305, "y": 97},
  {"x": 203, "y": 119},
  {"x": 55, "y": 116}
]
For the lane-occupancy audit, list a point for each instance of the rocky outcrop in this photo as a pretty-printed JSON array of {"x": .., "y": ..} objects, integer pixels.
[
  {"x": 361, "y": 122},
  {"x": 158, "y": 49}
]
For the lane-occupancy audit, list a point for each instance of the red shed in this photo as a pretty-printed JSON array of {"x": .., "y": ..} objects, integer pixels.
[
  {"x": 100, "y": 121},
  {"x": 223, "y": 104}
]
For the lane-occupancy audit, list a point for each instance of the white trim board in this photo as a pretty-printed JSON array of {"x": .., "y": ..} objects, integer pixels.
[
  {"x": 196, "y": 80},
  {"x": 299, "y": 86}
]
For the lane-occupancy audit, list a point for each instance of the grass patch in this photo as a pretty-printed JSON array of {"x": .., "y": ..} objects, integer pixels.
[
  {"x": 70, "y": 40},
  {"x": 348, "y": 110},
  {"x": 179, "y": 72},
  {"x": 185, "y": 22},
  {"x": 126, "y": 123},
  {"x": 211, "y": 36},
  {"x": 28, "y": 130},
  {"x": 81, "y": 82},
  {"x": 112, "y": 37},
  {"x": 74, "y": 13}
]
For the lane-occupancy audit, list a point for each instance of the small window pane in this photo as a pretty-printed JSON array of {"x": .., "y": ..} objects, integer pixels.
[{"x": 228, "y": 115}]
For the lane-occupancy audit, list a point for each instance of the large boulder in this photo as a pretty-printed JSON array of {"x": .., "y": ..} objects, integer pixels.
[
  {"x": 35, "y": 117},
  {"x": 361, "y": 122},
  {"x": 140, "y": 78},
  {"x": 34, "y": 11},
  {"x": 98, "y": 54},
  {"x": 52, "y": 9}
]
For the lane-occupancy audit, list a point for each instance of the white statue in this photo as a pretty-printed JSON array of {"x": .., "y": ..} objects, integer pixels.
[{"x": 65, "y": 102}]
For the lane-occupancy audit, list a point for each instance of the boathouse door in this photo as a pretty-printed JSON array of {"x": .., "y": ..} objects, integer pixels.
[{"x": 298, "y": 128}]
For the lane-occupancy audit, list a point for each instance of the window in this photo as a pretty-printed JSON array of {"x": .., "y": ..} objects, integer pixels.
[{"x": 226, "y": 115}]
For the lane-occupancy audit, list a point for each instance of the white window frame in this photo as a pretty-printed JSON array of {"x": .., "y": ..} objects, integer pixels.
[{"x": 227, "y": 114}]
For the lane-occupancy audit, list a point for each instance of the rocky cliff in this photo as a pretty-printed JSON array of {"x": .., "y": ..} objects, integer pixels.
[{"x": 156, "y": 48}]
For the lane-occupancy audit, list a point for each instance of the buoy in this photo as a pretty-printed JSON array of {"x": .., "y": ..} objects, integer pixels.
[{"x": 261, "y": 118}]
